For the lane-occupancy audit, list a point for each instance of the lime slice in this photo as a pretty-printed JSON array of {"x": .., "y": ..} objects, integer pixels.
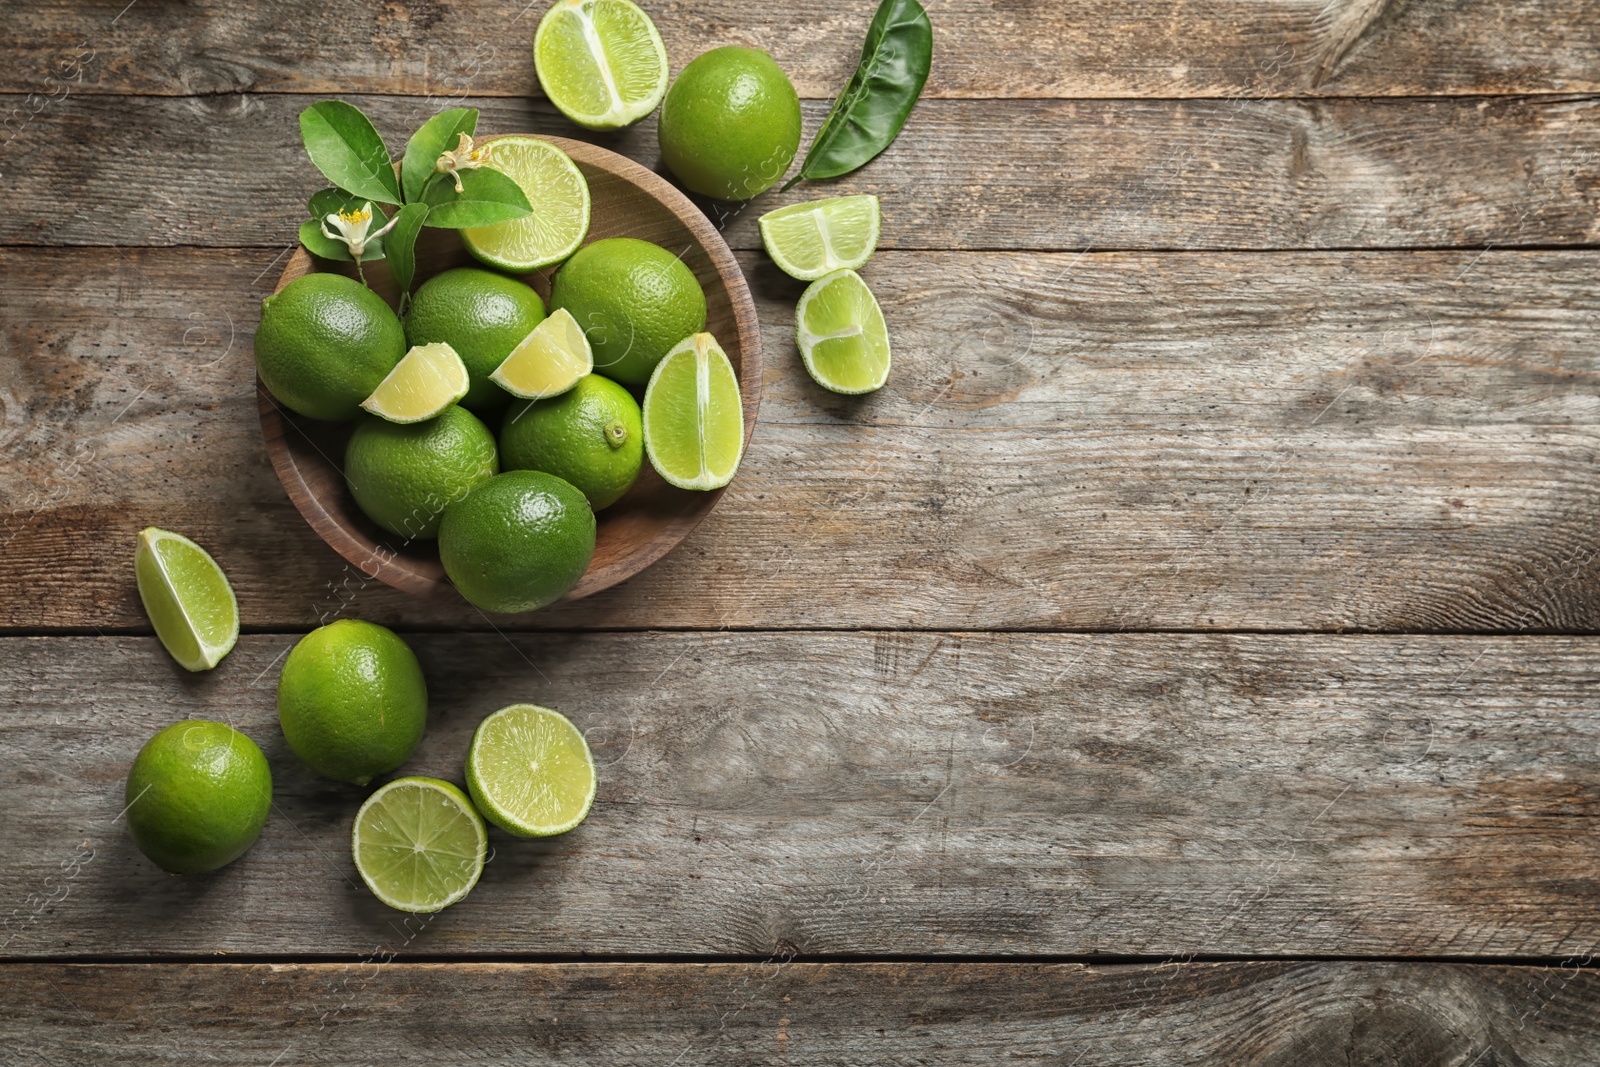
[
  {"x": 601, "y": 62},
  {"x": 530, "y": 772},
  {"x": 429, "y": 379},
  {"x": 419, "y": 844},
  {"x": 548, "y": 361},
  {"x": 187, "y": 597},
  {"x": 560, "y": 199},
  {"x": 693, "y": 416},
  {"x": 841, "y": 333},
  {"x": 807, "y": 241}
]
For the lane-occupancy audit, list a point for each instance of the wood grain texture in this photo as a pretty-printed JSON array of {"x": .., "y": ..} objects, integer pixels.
[
  {"x": 1259, "y": 1014},
  {"x": 1297, "y": 441},
  {"x": 861, "y": 794},
  {"x": 1064, "y": 48},
  {"x": 1121, "y": 174}
]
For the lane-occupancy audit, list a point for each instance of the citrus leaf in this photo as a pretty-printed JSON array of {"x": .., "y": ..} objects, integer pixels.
[
  {"x": 436, "y": 136},
  {"x": 319, "y": 244},
  {"x": 400, "y": 244},
  {"x": 486, "y": 197},
  {"x": 345, "y": 147}
]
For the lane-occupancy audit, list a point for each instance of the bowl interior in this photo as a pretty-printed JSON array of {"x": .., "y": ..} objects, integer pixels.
[{"x": 628, "y": 201}]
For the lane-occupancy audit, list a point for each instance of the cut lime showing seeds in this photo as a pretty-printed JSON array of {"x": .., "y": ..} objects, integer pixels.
[
  {"x": 419, "y": 844},
  {"x": 549, "y": 361},
  {"x": 807, "y": 241},
  {"x": 429, "y": 379},
  {"x": 530, "y": 772},
  {"x": 187, "y": 597},
  {"x": 601, "y": 62},
  {"x": 560, "y": 200},
  {"x": 841, "y": 333},
  {"x": 693, "y": 416}
]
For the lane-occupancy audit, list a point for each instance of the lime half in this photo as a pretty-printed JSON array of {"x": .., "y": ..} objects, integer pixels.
[
  {"x": 530, "y": 772},
  {"x": 188, "y": 598},
  {"x": 549, "y": 361},
  {"x": 419, "y": 844},
  {"x": 429, "y": 379},
  {"x": 841, "y": 333},
  {"x": 807, "y": 241},
  {"x": 560, "y": 199},
  {"x": 693, "y": 416},
  {"x": 601, "y": 62}
]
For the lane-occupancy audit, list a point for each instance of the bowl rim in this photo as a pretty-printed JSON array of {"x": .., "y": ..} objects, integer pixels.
[{"x": 375, "y": 559}]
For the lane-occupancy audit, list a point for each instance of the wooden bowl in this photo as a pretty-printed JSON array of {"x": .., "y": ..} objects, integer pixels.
[{"x": 628, "y": 201}]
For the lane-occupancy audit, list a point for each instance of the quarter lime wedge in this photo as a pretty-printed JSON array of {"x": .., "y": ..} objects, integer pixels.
[
  {"x": 693, "y": 416},
  {"x": 548, "y": 361},
  {"x": 426, "y": 381},
  {"x": 559, "y": 196},
  {"x": 601, "y": 62},
  {"x": 530, "y": 772},
  {"x": 809, "y": 240},
  {"x": 419, "y": 844},
  {"x": 188, "y": 598},
  {"x": 841, "y": 333}
]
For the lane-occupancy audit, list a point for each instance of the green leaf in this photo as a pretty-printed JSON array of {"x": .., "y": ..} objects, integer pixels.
[
  {"x": 436, "y": 136},
  {"x": 348, "y": 151},
  {"x": 325, "y": 202},
  {"x": 487, "y": 197},
  {"x": 400, "y": 244},
  {"x": 318, "y": 244},
  {"x": 868, "y": 115}
]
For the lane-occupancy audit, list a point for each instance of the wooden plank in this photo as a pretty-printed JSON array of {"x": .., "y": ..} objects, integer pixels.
[
  {"x": 1119, "y": 174},
  {"x": 1296, "y": 441},
  {"x": 1274, "y": 1014},
  {"x": 1061, "y": 49},
  {"x": 863, "y": 794}
]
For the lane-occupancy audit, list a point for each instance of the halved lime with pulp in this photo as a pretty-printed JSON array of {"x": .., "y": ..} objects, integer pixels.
[
  {"x": 419, "y": 844},
  {"x": 429, "y": 379},
  {"x": 188, "y": 598},
  {"x": 559, "y": 197},
  {"x": 841, "y": 333},
  {"x": 548, "y": 361},
  {"x": 809, "y": 240},
  {"x": 693, "y": 416},
  {"x": 530, "y": 772},
  {"x": 601, "y": 62}
]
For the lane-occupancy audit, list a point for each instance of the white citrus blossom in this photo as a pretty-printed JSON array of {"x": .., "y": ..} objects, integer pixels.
[
  {"x": 465, "y": 157},
  {"x": 353, "y": 228}
]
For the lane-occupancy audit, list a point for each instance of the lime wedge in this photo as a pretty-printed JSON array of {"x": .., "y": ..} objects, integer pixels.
[
  {"x": 530, "y": 772},
  {"x": 419, "y": 844},
  {"x": 807, "y": 241},
  {"x": 841, "y": 333},
  {"x": 426, "y": 381},
  {"x": 601, "y": 62},
  {"x": 187, "y": 597},
  {"x": 548, "y": 361},
  {"x": 693, "y": 416},
  {"x": 560, "y": 199}
]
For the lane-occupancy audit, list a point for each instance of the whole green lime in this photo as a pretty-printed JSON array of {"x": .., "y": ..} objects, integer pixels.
[
  {"x": 351, "y": 700},
  {"x": 197, "y": 796},
  {"x": 730, "y": 124},
  {"x": 634, "y": 301},
  {"x": 404, "y": 475},
  {"x": 591, "y": 435},
  {"x": 483, "y": 316},
  {"x": 517, "y": 541},
  {"x": 324, "y": 344}
]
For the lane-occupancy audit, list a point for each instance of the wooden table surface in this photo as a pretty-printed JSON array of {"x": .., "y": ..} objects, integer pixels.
[{"x": 1188, "y": 657}]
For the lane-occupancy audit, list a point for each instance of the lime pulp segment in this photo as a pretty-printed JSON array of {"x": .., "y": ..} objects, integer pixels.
[
  {"x": 188, "y": 598},
  {"x": 841, "y": 334},
  {"x": 547, "y": 362},
  {"x": 601, "y": 62},
  {"x": 809, "y": 240},
  {"x": 419, "y": 844},
  {"x": 530, "y": 772},
  {"x": 559, "y": 196},
  {"x": 694, "y": 416},
  {"x": 426, "y": 381}
]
